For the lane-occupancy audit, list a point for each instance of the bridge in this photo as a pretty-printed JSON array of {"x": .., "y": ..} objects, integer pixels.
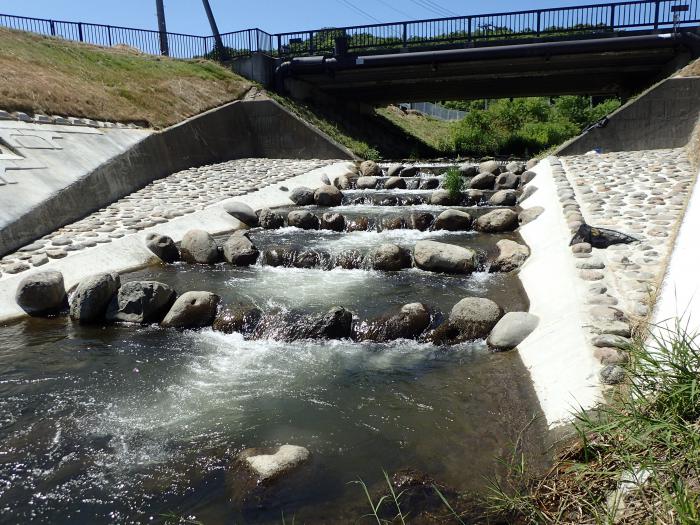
[{"x": 613, "y": 48}]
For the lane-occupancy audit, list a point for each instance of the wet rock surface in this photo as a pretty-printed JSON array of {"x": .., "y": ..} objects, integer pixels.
[
  {"x": 192, "y": 310},
  {"x": 90, "y": 299},
  {"x": 141, "y": 302},
  {"x": 42, "y": 293}
]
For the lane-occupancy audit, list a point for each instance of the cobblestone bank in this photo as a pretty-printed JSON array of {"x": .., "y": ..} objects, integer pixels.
[
  {"x": 173, "y": 196},
  {"x": 642, "y": 194}
]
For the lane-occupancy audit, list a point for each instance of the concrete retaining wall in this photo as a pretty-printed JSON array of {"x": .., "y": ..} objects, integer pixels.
[
  {"x": 662, "y": 117},
  {"x": 256, "y": 128}
]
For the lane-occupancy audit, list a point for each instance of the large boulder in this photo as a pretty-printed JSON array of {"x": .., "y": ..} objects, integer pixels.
[
  {"x": 334, "y": 324},
  {"x": 239, "y": 318},
  {"x": 390, "y": 257},
  {"x": 366, "y": 183},
  {"x": 511, "y": 330},
  {"x": 440, "y": 257},
  {"x": 270, "y": 220},
  {"x": 516, "y": 167},
  {"x": 409, "y": 171},
  {"x": 443, "y": 198},
  {"x": 268, "y": 464},
  {"x": 503, "y": 220},
  {"x": 303, "y": 219},
  {"x": 507, "y": 181},
  {"x": 192, "y": 310},
  {"x": 409, "y": 323},
  {"x": 41, "y": 293},
  {"x": 242, "y": 212},
  {"x": 239, "y": 250},
  {"x": 302, "y": 196},
  {"x": 333, "y": 221},
  {"x": 453, "y": 220},
  {"x": 93, "y": 294},
  {"x": 369, "y": 168},
  {"x": 490, "y": 166},
  {"x": 141, "y": 302},
  {"x": 483, "y": 181},
  {"x": 163, "y": 247},
  {"x": 430, "y": 183},
  {"x": 328, "y": 196},
  {"x": 344, "y": 181},
  {"x": 511, "y": 256},
  {"x": 395, "y": 183},
  {"x": 198, "y": 246},
  {"x": 394, "y": 170},
  {"x": 468, "y": 169},
  {"x": 475, "y": 317},
  {"x": 504, "y": 198}
]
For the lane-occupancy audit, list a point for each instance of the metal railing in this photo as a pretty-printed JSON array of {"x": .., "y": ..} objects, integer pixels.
[{"x": 438, "y": 32}]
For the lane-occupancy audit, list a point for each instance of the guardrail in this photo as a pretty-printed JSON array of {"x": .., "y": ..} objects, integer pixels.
[{"x": 437, "y": 32}]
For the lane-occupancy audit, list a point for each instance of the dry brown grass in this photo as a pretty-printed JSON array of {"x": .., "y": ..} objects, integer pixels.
[
  {"x": 691, "y": 70},
  {"x": 56, "y": 77}
]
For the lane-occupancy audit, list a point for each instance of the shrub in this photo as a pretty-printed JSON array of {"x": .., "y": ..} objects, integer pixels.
[{"x": 453, "y": 182}]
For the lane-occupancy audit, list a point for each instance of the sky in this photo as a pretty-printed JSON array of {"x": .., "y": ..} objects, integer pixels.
[{"x": 274, "y": 16}]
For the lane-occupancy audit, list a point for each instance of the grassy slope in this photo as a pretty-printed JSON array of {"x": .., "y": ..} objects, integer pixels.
[
  {"x": 56, "y": 77},
  {"x": 435, "y": 133}
]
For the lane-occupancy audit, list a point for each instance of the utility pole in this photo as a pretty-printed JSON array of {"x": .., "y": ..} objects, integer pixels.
[
  {"x": 220, "y": 49},
  {"x": 160, "y": 9}
]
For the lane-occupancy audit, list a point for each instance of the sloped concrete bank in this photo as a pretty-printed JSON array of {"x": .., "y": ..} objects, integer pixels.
[
  {"x": 662, "y": 117},
  {"x": 249, "y": 128}
]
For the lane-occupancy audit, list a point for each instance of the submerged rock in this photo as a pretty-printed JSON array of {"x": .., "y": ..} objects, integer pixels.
[
  {"x": 42, "y": 293},
  {"x": 421, "y": 221},
  {"x": 393, "y": 223},
  {"x": 270, "y": 220},
  {"x": 242, "y": 212},
  {"x": 360, "y": 224},
  {"x": 409, "y": 323},
  {"x": 334, "y": 324},
  {"x": 303, "y": 219},
  {"x": 328, "y": 196},
  {"x": 511, "y": 330},
  {"x": 333, "y": 221},
  {"x": 302, "y": 196},
  {"x": 496, "y": 221},
  {"x": 92, "y": 296},
  {"x": 440, "y": 257},
  {"x": 141, "y": 302},
  {"x": 511, "y": 256},
  {"x": 453, "y": 220},
  {"x": 475, "y": 317},
  {"x": 350, "y": 260},
  {"x": 395, "y": 183},
  {"x": 239, "y": 250},
  {"x": 192, "y": 310},
  {"x": 390, "y": 257},
  {"x": 409, "y": 171},
  {"x": 198, "y": 246},
  {"x": 240, "y": 318},
  {"x": 163, "y": 247}
]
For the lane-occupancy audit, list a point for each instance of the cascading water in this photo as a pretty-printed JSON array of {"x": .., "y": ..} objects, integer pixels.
[{"x": 125, "y": 424}]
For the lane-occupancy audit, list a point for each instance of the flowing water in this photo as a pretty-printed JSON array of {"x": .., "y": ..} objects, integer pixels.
[{"x": 125, "y": 424}]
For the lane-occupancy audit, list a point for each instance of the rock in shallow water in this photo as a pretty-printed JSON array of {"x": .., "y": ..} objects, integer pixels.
[
  {"x": 239, "y": 250},
  {"x": 270, "y": 220},
  {"x": 163, "y": 247},
  {"x": 440, "y": 257},
  {"x": 198, "y": 246},
  {"x": 475, "y": 317},
  {"x": 242, "y": 212},
  {"x": 92, "y": 296},
  {"x": 303, "y": 219},
  {"x": 511, "y": 256},
  {"x": 511, "y": 330},
  {"x": 497, "y": 221},
  {"x": 369, "y": 168},
  {"x": 409, "y": 323},
  {"x": 302, "y": 196},
  {"x": 453, "y": 220},
  {"x": 328, "y": 196},
  {"x": 333, "y": 221},
  {"x": 141, "y": 302},
  {"x": 41, "y": 293},
  {"x": 192, "y": 310},
  {"x": 390, "y": 257}
]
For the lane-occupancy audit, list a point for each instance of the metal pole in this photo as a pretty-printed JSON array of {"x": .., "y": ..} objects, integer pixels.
[
  {"x": 160, "y": 9},
  {"x": 220, "y": 49}
]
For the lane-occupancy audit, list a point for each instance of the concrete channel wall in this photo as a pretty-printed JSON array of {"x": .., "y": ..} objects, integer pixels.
[
  {"x": 662, "y": 117},
  {"x": 254, "y": 128}
]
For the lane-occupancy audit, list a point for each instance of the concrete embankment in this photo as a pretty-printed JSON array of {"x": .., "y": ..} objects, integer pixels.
[{"x": 61, "y": 173}]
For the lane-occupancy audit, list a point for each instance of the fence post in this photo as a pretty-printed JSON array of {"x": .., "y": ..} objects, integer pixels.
[
  {"x": 469, "y": 30},
  {"x": 656, "y": 15},
  {"x": 250, "y": 41},
  {"x": 279, "y": 45},
  {"x": 109, "y": 35},
  {"x": 311, "y": 42},
  {"x": 405, "y": 35},
  {"x": 53, "y": 28},
  {"x": 80, "y": 31},
  {"x": 612, "y": 17},
  {"x": 539, "y": 22}
]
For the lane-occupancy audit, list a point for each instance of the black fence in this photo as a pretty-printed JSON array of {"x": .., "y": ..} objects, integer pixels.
[{"x": 439, "y": 32}]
